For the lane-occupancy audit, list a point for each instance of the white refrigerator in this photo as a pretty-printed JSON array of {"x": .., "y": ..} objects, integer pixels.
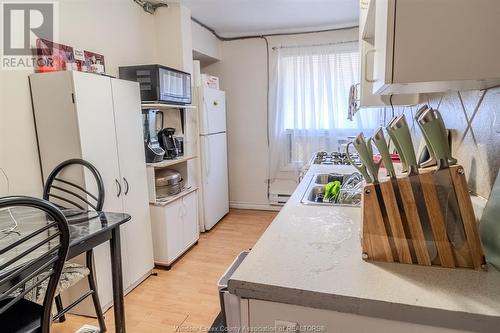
[{"x": 213, "y": 151}]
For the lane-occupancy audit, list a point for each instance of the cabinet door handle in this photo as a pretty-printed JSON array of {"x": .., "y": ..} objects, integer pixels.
[
  {"x": 370, "y": 80},
  {"x": 127, "y": 187},
  {"x": 119, "y": 188}
]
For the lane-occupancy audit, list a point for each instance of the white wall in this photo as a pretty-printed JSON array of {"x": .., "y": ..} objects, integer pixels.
[
  {"x": 243, "y": 75},
  {"x": 242, "y": 71},
  {"x": 205, "y": 42},
  {"x": 173, "y": 37},
  {"x": 118, "y": 29}
]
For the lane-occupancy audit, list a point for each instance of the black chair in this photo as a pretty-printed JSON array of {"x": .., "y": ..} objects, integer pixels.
[
  {"x": 37, "y": 257},
  {"x": 66, "y": 194}
]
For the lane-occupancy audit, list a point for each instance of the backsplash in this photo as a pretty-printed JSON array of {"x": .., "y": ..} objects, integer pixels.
[{"x": 474, "y": 119}]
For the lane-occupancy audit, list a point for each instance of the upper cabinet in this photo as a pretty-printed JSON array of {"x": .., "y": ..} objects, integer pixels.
[
  {"x": 367, "y": 51},
  {"x": 422, "y": 46}
]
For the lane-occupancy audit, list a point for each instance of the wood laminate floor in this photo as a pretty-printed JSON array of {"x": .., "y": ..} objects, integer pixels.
[{"x": 186, "y": 298}]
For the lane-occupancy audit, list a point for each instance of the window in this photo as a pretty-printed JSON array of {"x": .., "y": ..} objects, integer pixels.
[
  {"x": 312, "y": 99},
  {"x": 315, "y": 87}
]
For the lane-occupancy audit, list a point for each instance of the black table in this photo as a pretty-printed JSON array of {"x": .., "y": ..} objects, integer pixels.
[{"x": 87, "y": 230}]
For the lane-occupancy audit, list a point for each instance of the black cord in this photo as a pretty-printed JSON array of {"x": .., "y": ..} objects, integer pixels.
[
  {"x": 392, "y": 106},
  {"x": 227, "y": 39}
]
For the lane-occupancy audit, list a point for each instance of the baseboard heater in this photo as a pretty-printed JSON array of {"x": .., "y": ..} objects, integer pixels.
[{"x": 278, "y": 199}]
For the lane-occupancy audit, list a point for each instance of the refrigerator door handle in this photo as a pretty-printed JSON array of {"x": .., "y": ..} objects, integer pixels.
[{"x": 205, "y": 115}]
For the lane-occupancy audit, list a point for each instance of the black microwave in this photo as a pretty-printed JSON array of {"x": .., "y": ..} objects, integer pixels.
[{"x": 160, "y": 84}]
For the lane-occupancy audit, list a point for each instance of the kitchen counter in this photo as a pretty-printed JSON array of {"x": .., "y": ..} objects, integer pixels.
[{"x": 311, "y": 256}]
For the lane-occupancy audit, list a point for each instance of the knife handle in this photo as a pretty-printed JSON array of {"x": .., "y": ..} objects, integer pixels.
[
  {"x": 376, "y": 165},
  {"x": 365, "y": 156},
  {"x": 451, "y": 160},
  {"x": 379, "y": 140},
  {"x": 361, "y": 168},
  {"x": 427, "y": 142},
  {"x": 398, "y": 148},
  {"x": 402, "y": 134},
  {"x": 433, "y": 128},
  {"x": 396, "y": 144}
]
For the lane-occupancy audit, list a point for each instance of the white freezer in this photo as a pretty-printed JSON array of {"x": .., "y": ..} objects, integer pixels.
[
  {"x": 213, "y": 111},
  {"x": 215, "y": 185}
]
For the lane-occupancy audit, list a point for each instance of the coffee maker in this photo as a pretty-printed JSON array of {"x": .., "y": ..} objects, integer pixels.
[
  {"x": 154, "y": 152},
  {"x": 172, "y": 145}
]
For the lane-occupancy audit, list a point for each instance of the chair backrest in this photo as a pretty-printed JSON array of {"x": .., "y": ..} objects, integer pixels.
[
  {"x": 33, "y": 252},
  {"x": 64, "y": 192}
]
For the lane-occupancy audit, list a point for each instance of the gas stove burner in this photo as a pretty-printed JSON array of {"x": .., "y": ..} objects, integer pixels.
[{"x": 334, "y": 158}]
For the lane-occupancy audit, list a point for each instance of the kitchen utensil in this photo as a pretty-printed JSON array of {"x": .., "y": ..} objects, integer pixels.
[
  {"x": 168, "y": 182},
  {"x": 381, "y": 144},
  {"x": 431, "y": 161},
  {"x": 375, "y": 242},
  {"x": 151, "y": 118},
  {"x": 168, "y": 142},
  {"x": 400, "y": 132},
  {"x": 433, "y": 127},
  {"x": 365, "y": 152},
  {"x": 168, "y": 177},
  {"x": 489, "y": 226},
  {"x": 167, "y": 191},
  {"x": 359, "y": 166},
  {"x": 179, "y": 143},
  {"x": 398, "y": 147}
]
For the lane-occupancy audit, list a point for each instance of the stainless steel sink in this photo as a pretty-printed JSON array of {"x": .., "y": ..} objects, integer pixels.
[
  {"x": 324, "y": 179},
  {"x": 316, "y": 190},
  {"x": 316, "y": 194}
]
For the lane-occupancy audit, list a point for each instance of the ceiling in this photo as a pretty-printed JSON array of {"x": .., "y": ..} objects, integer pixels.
[{"x": 232, "y": 18}]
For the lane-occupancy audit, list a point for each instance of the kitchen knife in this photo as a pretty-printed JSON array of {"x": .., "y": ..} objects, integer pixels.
[
  {"x": 398, "y": 148},
  {"x": 442, "y": 127},
  {"x": 366, "y": 156},
  {"x": 400, "y": 131},
  {"x": 433, "y": 125},
  {"x": 360, "y": 167},
  {"x": 381, "y": 144},
  {"x": 432, "y": 159}
]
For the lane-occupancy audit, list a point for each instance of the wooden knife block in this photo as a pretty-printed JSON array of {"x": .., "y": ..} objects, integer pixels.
[{"x": 385, "y": 240}]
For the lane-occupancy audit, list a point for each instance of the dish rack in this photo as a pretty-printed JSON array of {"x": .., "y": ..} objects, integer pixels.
[{"x": 399, "y": 237}]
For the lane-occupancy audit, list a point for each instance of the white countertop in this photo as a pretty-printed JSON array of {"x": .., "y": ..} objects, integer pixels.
[{"x": 311, "y": 256}]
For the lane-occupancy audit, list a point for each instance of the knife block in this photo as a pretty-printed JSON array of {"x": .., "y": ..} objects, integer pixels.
[{"x": 392, "y": 231}]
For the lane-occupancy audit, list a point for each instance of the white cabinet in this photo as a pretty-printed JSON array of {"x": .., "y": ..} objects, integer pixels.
[
  {"x": 128, "y": 126},
  {"x": 433, "y": 46},
  {"x": 98, "y": 119},
  {"x": 259, "y": 316},
  {"x": 190, "y": 227},
  {"x": 175, "y": 227},
  {"x": 367, "y": 54}
]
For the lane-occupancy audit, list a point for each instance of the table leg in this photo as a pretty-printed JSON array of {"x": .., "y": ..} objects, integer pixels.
[{"x": 117, "y": 278}]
